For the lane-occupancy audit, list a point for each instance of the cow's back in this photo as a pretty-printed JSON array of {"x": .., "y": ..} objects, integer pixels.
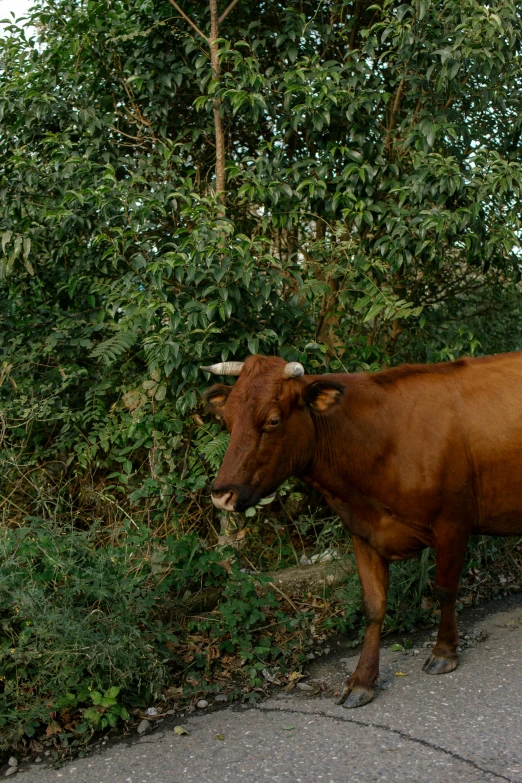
[{"x": 457, "y": 438}]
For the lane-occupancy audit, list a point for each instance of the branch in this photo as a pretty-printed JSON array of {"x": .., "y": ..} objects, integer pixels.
[
  {"x": 449, "y": 102},
  {"x": 189, "y": 20},
  {"x": 296, "y": 581},
  {"x": 393, "y": 115},
  {"x": 226, "y": 11},
  {"x": 355, "y": 28}
]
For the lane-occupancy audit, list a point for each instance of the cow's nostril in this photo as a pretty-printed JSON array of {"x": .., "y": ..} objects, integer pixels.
[{"x": 224, "y": 499}]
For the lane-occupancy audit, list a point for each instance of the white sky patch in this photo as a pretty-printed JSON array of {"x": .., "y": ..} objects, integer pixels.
[{"x": 17, "y": 7}]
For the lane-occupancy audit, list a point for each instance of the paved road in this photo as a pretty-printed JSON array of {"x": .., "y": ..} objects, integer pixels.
[{"x": 462, "y": 727}]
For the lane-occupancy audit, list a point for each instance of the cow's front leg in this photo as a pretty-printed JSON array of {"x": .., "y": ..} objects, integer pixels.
[
  {"x": 373, "y": 571},
  {"x": 450, "y": 550}
]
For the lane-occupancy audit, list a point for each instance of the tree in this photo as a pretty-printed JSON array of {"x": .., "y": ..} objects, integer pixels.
[{"x": 373, "y": 214}]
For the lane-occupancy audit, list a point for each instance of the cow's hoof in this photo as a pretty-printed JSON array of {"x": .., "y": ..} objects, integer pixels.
[
  {"x": 438, "y": 665},
  {"x": 355, "y": 697}
]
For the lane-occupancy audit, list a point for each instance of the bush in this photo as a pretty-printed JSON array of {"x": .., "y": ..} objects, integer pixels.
[{"x": 92, "y": 628}]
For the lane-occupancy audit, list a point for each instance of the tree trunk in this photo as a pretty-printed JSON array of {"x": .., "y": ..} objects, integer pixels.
[
  {"x": 218, "y": 122},
  {"x": 215, "y": 21}
]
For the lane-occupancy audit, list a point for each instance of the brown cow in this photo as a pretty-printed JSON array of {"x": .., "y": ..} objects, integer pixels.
[{"x": 410, "y": 457}]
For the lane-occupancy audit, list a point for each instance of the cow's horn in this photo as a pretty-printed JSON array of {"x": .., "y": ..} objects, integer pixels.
[
  {"x": 224, "y": 368},
  {"x": 293, "y": 370}
]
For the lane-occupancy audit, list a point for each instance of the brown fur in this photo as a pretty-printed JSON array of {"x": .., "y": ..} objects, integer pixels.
[{"x": 410, "y": 457}]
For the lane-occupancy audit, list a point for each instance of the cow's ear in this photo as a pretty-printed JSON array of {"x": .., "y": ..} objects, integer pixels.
[
  {"x": 215, "y": 399},
  {"x": 322, "y": 396}
]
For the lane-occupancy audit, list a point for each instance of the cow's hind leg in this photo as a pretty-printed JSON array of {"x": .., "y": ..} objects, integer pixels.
[
  {"x": 373, "y": 573},
  {"x": 450, "y": 549}
]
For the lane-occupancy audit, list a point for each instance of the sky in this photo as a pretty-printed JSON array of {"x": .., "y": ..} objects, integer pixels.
[{"x": 18, "y": 7}]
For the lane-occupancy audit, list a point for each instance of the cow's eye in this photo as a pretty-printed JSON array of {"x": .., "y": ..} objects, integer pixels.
[{"x": 273, "y": 421}]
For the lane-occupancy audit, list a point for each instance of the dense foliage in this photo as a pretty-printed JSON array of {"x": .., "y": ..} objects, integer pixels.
[{"x": 370, "y": 215}]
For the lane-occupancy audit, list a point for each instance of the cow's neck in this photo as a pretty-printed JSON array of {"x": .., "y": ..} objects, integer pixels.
[{"x": 350, "y": 452}]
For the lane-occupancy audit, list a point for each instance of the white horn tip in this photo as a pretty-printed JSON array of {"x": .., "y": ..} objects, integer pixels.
[
  {"x": 224, "y": 368},
  {"x": 294, "y": 370}
]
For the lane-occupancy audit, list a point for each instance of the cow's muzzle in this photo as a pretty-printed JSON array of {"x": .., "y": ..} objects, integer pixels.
[
  {"x": 225, "y": 500},
  {"x": 233, "y": 497}
]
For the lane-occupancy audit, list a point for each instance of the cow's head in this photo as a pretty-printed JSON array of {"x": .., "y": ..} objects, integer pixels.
[{"x": 270, "y": 415}]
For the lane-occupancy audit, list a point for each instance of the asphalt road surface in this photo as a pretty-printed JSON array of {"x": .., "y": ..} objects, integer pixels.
[{"x": 462, "y": 727}]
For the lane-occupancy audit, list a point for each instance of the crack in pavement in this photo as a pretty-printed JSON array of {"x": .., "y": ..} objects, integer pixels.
[{"x": 402, "y": 734}]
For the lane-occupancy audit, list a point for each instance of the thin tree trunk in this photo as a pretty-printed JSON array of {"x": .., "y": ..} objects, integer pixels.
[
  {"x": 215, "y": 21},
  {"x": 393, "y": 118},
  {"x": 218, "y": 122},
  {"x": 355, "y": 28}
]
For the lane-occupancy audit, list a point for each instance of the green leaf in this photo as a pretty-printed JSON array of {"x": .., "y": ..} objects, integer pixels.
[
  {"x": 374, "y": 310},
  {"x": 6, "y": 238},
  {"x": 109, "y": 350},
  {"x": 266, "y": 501},
  {"x": 96, "y": 697},
  {"x": 161, "y": 392},
  {"x": 26, "y": 248}
]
